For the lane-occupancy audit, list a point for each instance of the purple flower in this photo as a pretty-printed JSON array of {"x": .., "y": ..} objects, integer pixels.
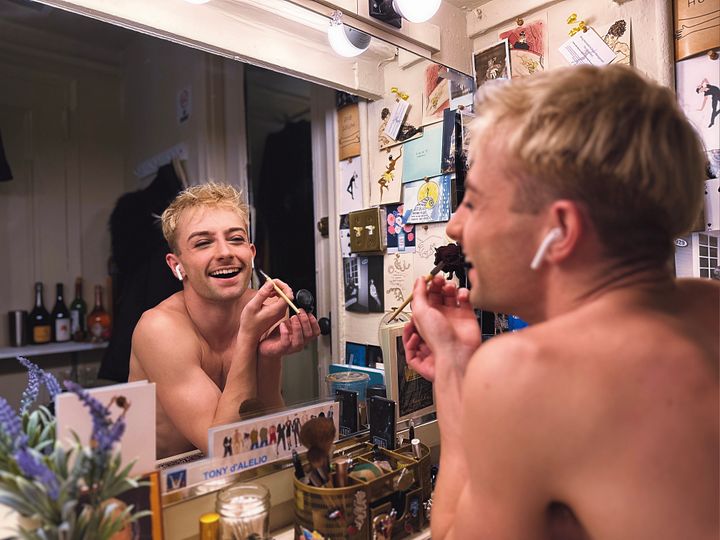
[
  {"x": 30, "y": 393},
  {"x": 35, "y": 377},
  {"x": 9, "y": 421},
  {"x": 33, "y": 467},
  {"x": 50, "y": 382}
]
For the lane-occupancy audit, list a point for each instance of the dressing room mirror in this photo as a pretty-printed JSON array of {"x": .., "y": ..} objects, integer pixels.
[{"x": 93, "y": 111}]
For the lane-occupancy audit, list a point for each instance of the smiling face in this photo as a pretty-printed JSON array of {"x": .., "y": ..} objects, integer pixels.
[
  {"x": 498, "y": 241},
  {"x": 215, "y": 252}
]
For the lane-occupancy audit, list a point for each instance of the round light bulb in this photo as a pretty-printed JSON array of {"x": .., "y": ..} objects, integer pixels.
[
  {"x": 417, "y": 11},
  {"x": 347, "y": 41}
]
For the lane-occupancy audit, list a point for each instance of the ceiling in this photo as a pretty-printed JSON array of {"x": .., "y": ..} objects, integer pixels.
[{"x": 467, "y": 4}]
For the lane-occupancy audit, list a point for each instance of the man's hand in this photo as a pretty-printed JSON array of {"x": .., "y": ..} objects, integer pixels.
[
  {"x": 443, "y": 325},
  {"x": 263, "y": 311},
  {"x": 290, "y": 335}
]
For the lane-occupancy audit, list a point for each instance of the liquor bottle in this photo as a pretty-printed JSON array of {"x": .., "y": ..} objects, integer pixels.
[
  {"x": 98, "y": 322},
  {"x": 39, "y": 322},
  {"x": 60, "y": 317},
  {"x": 78, "y": 311}
]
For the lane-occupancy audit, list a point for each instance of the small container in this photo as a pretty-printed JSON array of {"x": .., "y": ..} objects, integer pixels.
[
  {"x": 18, "y": 327},
  {"x": 209, "y": 526},
  {"x": 244, "y": 511},
  {"x": 348, "y": 380}
]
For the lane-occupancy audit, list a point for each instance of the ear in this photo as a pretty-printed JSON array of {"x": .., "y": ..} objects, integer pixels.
[
  {"x": 569, "y": 217},
  {"x": 172, "y": 261}
]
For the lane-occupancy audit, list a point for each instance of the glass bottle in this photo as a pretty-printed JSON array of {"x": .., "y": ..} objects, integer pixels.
[
  {"x": 78, "y": 313},
  {"x": 98, "y": 322},
  {"x": 244, "y": 511},
  {"x": 39, "y": 322},
  {"x": 60, "y": 317}
]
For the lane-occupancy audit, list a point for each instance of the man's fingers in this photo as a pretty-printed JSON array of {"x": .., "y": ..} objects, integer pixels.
[
  {"x": 296, "y": 334},
  {"x": 314, "y": 325},
  {"x": 285, "y": 288},
  {"x": 305, "y": 326}
]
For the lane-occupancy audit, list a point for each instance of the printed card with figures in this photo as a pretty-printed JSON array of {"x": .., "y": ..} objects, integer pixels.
[{"x": 527, "y": 44}]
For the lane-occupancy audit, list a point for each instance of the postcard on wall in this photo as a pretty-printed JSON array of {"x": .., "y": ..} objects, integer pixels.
[
  {"x": 492, "y": 63},
  {"x": 376, "y": 284},
  {"x": 400, "y": 234},
  {"x": 462, "y": 89},
  {"x": 616, "y": 35},
  {"x": 399, "y": 279},
  {"x": 386, "y": 184},
  {"x": 348, "y": 119},
  {"x": 436, "y": 95},
  {"x": 697, "y": 27},
  {"x": 351, "y": 196},
  {"x": 698, "y": 92},
  {"x": 429, "y": 237},
  {"x": 429, "y": 200},
  {"x": 447, "y": 160},
  {"x": 528, "y": 47},
  {"x": 587, "y": 48},
  {"x": 422, "y": 156}
]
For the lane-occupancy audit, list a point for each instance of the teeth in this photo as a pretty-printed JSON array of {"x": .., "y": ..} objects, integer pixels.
[{"x": 224, "y": 271}]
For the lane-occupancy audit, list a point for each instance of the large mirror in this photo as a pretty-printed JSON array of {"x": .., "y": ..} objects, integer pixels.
[{"x": 103, "y": 123}]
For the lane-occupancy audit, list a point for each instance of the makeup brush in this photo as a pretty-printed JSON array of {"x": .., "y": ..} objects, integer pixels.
[
  {"x": 279, "y": 291},
  {"x": 428, "y": 278},
  {"x": 319, "y": 433}
]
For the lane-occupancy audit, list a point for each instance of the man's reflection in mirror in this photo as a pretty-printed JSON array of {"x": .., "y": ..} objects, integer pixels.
[{"x": 216, "y": 343}]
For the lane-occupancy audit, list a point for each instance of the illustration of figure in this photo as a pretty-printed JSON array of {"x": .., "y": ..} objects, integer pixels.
[
  {"x": 263, "y": 436},
  {"x": 246, "y": 441},
  {"x": 236, "y": 442},
  {"x": 530, "y": 64},
  {"x": 494, "y": 69},
  {"x": 273, "y": 435},
  {"x": 383, "y": 140},
  {"x": 374, "y": 295},
  {"x": 227, "y": 445},
  {"x": 389, "y": 174},
  {"x": 281, "y": 437},
  {"x": 296, "y": 430},
  {"x": 253, "y": 439},
  {"x": 612, "y": 40},
  {"x": 713, "y": 91},
  {"x": 288, "y": 432},
  {"x": 521, "y": 42},
  {"x": 351, "y": 185}
]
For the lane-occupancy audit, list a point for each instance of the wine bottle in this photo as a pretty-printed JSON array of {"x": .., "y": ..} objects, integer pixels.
[
  {"x": 60, "y": 316},
  {"x": 98, "y": 322},
  {"x": 78, "y": 313},
  {"x": 39, "y": 322}
]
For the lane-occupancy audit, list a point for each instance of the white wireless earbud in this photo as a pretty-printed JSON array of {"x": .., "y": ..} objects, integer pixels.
[
  {"x": 552, "y": 236},
  {"x": 178, "y": 273}
]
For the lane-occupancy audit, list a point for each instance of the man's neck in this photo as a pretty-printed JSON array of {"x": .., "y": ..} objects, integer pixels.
[{"x": 217, "y": 322}]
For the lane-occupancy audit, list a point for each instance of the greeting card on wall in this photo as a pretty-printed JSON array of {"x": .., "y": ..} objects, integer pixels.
[
  {"x": 386, "y": 185},
  {"x": 698, "y": 91},
  {"x": 697, "y": 27},
  {"x": 429, "y": 200},
  {"x": 399, "y": 279},
  {"x": 616, "y": 35},
  {"x": 436, "y": 96},
  {"x": 492, "y": 63},
  {"x": 400, "y": 234},
  {"x": 429, "y": 238},
  {"x": 349, "y": 131},
  {"x": 527, "y": 45},
  {"x": 351, "y": 185},
  {"x": 422, "y": 155}
]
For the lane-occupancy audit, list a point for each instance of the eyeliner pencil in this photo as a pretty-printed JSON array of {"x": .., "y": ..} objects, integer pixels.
[
  {"x": 428, "y": 278},
  {"x": 279, "y": 291}
]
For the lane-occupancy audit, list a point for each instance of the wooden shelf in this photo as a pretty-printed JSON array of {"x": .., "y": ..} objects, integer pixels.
[{"x": 50, "y": 348}]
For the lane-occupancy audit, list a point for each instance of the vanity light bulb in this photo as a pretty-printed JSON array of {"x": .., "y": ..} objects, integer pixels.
[
  {"x": 416, "y": 11},
  {"x": 347, "y": 41}
]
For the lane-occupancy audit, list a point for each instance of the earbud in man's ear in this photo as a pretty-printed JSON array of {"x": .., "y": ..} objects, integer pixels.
[
  {"x": 178, "y": 273},
  {"x": 553, "y": 235}
]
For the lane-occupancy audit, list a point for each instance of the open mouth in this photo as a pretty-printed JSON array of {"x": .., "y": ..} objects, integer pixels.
[{"x": 225, "y": 273}]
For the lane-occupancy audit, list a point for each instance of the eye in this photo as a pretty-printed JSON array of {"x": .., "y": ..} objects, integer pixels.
[
  {"x": 202, "y": 243},
  {"x": 238, "y": 239}
]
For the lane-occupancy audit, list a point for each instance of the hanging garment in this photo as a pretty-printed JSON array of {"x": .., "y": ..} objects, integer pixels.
[
  {"x": 141, "y": 279},
  {"x": 5, "y": 172}
]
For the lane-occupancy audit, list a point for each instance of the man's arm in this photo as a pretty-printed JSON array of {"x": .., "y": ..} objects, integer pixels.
[{"x": 169, "y": 352}]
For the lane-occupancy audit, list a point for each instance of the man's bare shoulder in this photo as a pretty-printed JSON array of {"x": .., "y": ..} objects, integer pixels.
[
  {"x": 166, "y": 328},
  {"x": 168, "y": 316}
]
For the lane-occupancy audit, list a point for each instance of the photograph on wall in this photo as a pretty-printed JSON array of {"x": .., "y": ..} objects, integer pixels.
[
  {"x": 527, "y": 45},
  {"x": 399, "y": 279},
  {"x": 492, "y": 63},
  {"x": 348, "y": 119},
  {"x": 697, "y": 27},
  {"x": 344, "y": 236},
  {"x": 351, "y": 196},
  {"x": 400, "y": 234},
  {"x": 354, "y": 277},
  {"x": 428, "y": 200},
  {"x": 616, "y": 35},
  {"x": 376, "y": 284},
  {"x": 436, "y": 95},
  {"x": 422, "y": 156},
  {"x": 447, "y": 157},
  {"x": 462, "y": 89},
  {"x": 698, "y": 92}
]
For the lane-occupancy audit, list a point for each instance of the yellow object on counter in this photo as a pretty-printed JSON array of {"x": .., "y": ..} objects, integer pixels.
[{"x": 209, "y": 526}]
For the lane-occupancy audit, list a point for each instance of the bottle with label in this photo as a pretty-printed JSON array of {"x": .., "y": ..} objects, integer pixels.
[
  {"x": 39, "y": 321},
  {"x": 401, "y": 240},
  {"x": 78, "y": 311},
  {"x": 60, "y": 317},
  {"x": 98, "y": 322}
]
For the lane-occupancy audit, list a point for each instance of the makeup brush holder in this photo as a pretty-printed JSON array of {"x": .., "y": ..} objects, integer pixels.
[{"x": 348, "y": 512}]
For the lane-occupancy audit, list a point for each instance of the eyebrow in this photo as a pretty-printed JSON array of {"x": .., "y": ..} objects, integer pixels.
[{"x": 208, "y": 233}]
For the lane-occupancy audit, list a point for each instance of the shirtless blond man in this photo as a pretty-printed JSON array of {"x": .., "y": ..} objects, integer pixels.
[
  {"x": 217, "y": 343},
  {"x": 600, "y": 420}
]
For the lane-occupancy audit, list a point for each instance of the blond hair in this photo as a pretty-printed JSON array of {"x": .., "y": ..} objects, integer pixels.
[
  {"x": 608, "y": 138},
  {"x": 209, "y": 195}
]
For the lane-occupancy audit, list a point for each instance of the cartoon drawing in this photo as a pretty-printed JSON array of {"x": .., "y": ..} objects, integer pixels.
[
  {"x": 712, "y": 91},
  {"x": 389, "y": 174},
  {"x": 612, "y": 40}
]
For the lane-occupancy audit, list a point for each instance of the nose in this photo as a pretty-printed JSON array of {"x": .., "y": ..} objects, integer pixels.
[
  {"x": 222, "y": 249},
  {"x": 454, "y": 226}
]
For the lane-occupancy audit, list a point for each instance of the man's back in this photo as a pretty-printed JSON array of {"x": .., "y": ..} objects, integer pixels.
[{"x": 611, "y": 410}]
